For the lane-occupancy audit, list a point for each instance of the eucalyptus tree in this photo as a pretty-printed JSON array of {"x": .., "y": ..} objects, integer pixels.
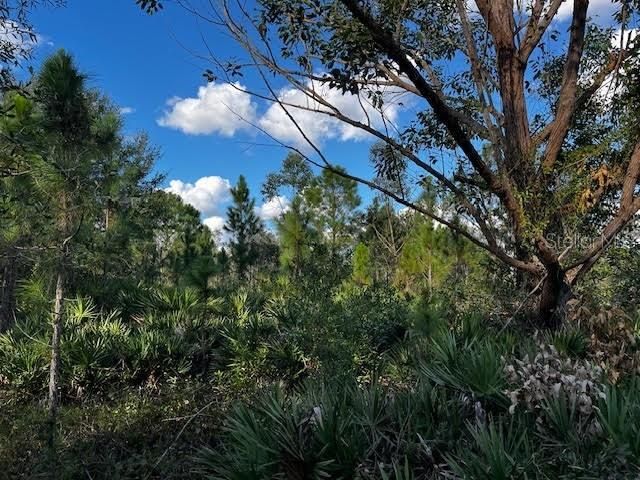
[{"x": 527, "y": 116}]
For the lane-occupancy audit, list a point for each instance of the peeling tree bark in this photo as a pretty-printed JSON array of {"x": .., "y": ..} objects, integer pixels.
[
  {"x": 54, "y": 368},
  {"x": 58, "y": 318}
]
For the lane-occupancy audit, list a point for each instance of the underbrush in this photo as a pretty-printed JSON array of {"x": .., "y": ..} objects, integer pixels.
[
  {"x": 472, "y": 416},
  {"x": 350, "y": 382},
  {"x": 128, "y": 437},
  {"x": 244, "y": 339}
]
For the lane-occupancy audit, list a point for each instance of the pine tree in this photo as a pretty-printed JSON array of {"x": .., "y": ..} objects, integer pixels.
[
  {"x": 333, "y": 201},
  {"x": 296, "y": 237},
  {"x": 244, "y": 226},
  {"x": 75, "y": 139},
  {"x": 362, "y": 265}
]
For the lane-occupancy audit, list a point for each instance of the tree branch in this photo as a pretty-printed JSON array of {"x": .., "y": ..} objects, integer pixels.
[
  {"x": 499, "y": 186},
  {"x": 478, "y": 73},
  {"x": 537, "y": 26},
  {"x": 567, "y": 100},
  {"x": 629, "y": 206}
]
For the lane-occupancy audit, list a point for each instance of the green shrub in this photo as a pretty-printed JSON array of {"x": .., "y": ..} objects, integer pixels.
[
  {"x": 474, "y": 367},
  {"x": 24, "y": 362},
  {"x": 494, "y": 452},
  {"x": 619, "y": 416},
  {"x": 570, "y": 341}
]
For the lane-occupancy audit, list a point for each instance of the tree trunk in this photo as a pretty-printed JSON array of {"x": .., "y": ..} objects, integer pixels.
[
  {"x": 430, "y": 279},
  {"x": 8, "y": 290},
  {"x": 54, "y": 367},
  {"x": 556, "y": 292}
]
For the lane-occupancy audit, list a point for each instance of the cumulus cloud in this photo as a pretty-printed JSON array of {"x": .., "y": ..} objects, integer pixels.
[
  {"x": 273, "y": 208},
  {"x": 603, "y": 9},
  {"x": 217, "y": 108},
  {"x": 628, "y": 40},
  {"x": 206, "y": 195},
  {"x": 225, "y": 110},
  {"x": 211, "y": 195},
  {"x": 214, "y": 223},
  {"x": 127, "y": 110},
  {"x": 18, "y": 39},
  {"x": 317, "y": 126},
  {"x": 611, "y": 86}
]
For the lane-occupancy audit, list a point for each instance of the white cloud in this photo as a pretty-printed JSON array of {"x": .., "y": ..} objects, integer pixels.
[
  {"x": 317, "y": 126},
  {"x": 206, "y": 195},
  {"x": 602, "y": 9},
  {"x": 225, "y": 110},
  {"x": 273, "y": 208},
  {"x": 599, "y": 10},
  {"x": 211, "y": 195},
  {"x": 15, "y": 36},
  {"x": 127, "y": 110},
  {"x": 611, "y": 86},
  {"x": 214, "y": 223},
  {"x": 218, "y": 108},
  {"x": 628, "y": 40},
  {"x": 18, "y": 37}
]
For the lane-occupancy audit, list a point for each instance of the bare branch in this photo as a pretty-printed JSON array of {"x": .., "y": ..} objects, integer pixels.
[
  {"x": 499, "y": 186},
  {"x": 440, "y": 108},
  {"x": 537, "y": 26},
  {"x": 478, "y": 74},
  {"x": 567, "y": 99}
]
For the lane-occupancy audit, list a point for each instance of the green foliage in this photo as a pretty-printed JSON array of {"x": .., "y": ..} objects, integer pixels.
[
  {"x": 297, "y": 238},
  {"x": 362, "y": 265},
  {"x": 324, "y": 431},
  {"x": 244, "y": 226},
  {"x": 333, "y": 201},
  {"x": 619, "y": 415},
  {"x": 295, "y": 175},
  {"x": 470, "y": 366},
  {"x": 24, "y": 364},
  {"x": 496, "y": 452},
  {"x": 102, "y": 351},
  {"x": 317, "y": 387},
  {"x": 61, "y": 93},
  {"x": 121, "y": 437},
  {"x": 570, "y": 341}
]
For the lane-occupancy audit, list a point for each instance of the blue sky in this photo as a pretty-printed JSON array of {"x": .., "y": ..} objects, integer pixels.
[
  {"x": 137, "y": 61},
  {"x": 144, "y": 62}
]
